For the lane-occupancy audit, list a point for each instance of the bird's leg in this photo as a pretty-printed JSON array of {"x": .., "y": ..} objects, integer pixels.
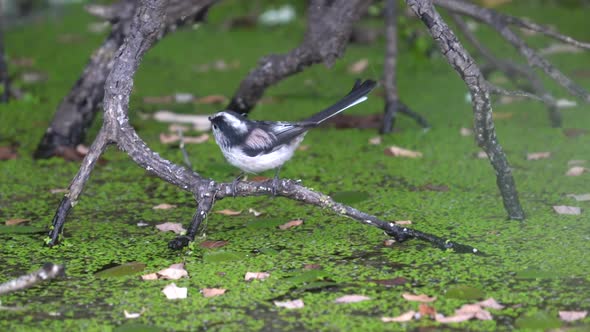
[
  {"x": 275, "y": 181},
  {"x": 234, "y": 183}
]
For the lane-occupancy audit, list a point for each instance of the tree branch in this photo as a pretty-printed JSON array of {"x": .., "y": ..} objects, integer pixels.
[
  {"x": 116, "y": 129},
  {"x": 465, "y": 66}
]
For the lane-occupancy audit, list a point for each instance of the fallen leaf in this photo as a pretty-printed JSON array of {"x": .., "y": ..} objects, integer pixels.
[
  {"x": 228, "y": 212},
  {"x": 150, "y": 276},
  {"x": 575, "y": 171},
  {"x": 213, "y": 99},
  {"x": 68, "y": 153},
  {"x": 432, "y": 187},
  {"x": 405, "y": 317},
  {"x": 291, "y": 224},
  {"x": 564, "y": 209},
  {"x": 483, "y": 315},
  {"x": 396, "y": 151},
  {"x": 174, "y": 128},
  {"x": 173, "y": 292},
  {"x": 211, "y": 292},
  {"x": 174, "y": 272},
  {"x": 570, "y": 316},
  {"x": 351, "y": 298},
  {"x": 212, "y": 244},
  {"x": 293, "y": 304},
  {"x": 158, "y": 100},
  {"x": 403, "y": 222},
  {"x": 183, "y": 97},
  {"x": 164, "y": 206},
  {"x": 133, "y": 315},
  {"x": 575, "y": 132},
  {"x": 389, "y": 242},
  {"x": 565, "y": 103},
  {"x": 33, "y": 77},
  {"x": 312, "y": 267},
  {"x": 502, "y": 115},
  {"x": 58, "y": 190},
  {"x": 466, "y": 131},
  {"x": 392, "y": 282},
  {"x": 490, "y": 303},
  {"x": 580, "y": 198},
  {"x": 256, "y": 275},
  {"x": 142, "y": 223},
  {"x": 418, "y": 298},
  {"x": 254, "y": 212},
  {"x": 173, "y": 138},
  {"x": 8, "y": 153},
  {"x": 482, "y": 155},
  {"x": 375, "y": 140},
  {"x": 15, "y": 221},
  {"x": 358, "y": 66},
  {"x": 199, "y": 122},
  {"x": 453, "y": 319},
  {"x": 303, "y": 148},
  {"x": 468, "y": 309},
  {"x": 82, "y": 149},
  {"x": 538, "y": 155},
  {"x": 171, "y": 226},
  {"x": 426, "y": 310}
]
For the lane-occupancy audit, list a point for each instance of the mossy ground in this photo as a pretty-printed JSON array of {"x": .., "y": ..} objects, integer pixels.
[{"x": 536, "y": 267}]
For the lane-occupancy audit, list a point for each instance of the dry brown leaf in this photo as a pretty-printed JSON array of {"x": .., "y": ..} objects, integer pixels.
[
  {"x": 389, "y": 242},
  {"x": 291, "y": 224},
  {"x": 8, "y": 153},
  {"x": 212, "y": 244},
  {"x": 211, "y": 292},
  {"x": 255, "y": 213},
  {"x": 564, "y": 209},
  {"x": 312, "y": 267},
  {"x": 293, "y": 304},
  {"x": 483, "y": 315},
  {"x": 575, "y": 171},
  {"x": 403, "y": 222},
  {"x": 351, "y": 298},
  {"x": 58, "y": 190},
  {"x": 453, "y": 319},
  {"x": 256, "y": 275},
  {"x": 158, "y": 100},
  {"x": 490, "y": 303},
  {"x": 482, "y": 155},
  {"x": 15, "y": 221},
  {"x": 469, "y": 309},
  {"x": 172, "y": 227},
  {"x": 466, "y": 131},
  {"x": 164, "y": 206},
  {"x": 405, "y": 317},
  {"x": 82, "y": 149},
  {"x": 426, "y": 310},
  {"x": 359, "y": 66},
  {"x": 396, "y": 151},
  {"x": 502, "y": 115},
  {"x": 303, "y": 148},
  {"x": 418, "y": 298},
  {"x": 580, "y": 198},
  {"x": 570, "y": 316},
  {"x": 150, "y": 276},
  {"x": 375, "y": 140},
  {"x": 228, "y": 212},
  {"x": 212, "y": 99},
  {"x": 174, "y": 272},
  {"x": 174, "y": 292},
  {"x": 538, "y": 155}
]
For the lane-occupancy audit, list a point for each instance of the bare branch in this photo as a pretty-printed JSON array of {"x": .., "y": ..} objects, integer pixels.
[{"x": 47, "y": 272}]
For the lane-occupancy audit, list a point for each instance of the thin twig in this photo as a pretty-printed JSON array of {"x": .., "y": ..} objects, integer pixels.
[
  {"x": 185, "y": 156},
  {"x": 47, "y": 272}
]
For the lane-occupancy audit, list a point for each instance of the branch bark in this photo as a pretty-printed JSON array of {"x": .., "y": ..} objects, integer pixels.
[
  {"x": 116, "y": 129},
  {"x": 485, "y": 132},
  {"x": 78, "y": 109}
]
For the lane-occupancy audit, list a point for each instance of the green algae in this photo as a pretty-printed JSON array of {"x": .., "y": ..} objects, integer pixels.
[{"x": 539, "y": 265}]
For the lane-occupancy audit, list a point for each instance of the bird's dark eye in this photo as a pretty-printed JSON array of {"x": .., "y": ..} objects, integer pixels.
[{"x": 215, "y": 126}]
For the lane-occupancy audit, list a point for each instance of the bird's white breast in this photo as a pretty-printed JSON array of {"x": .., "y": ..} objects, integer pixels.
[{"x": 264, "y": 161}]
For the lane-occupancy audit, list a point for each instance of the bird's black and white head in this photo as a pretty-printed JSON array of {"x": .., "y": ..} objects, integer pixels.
[{"x": 229, "y": 128}]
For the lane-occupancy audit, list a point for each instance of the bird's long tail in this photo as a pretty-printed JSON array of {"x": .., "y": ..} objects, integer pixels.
[{"x": 357, "y": 95}]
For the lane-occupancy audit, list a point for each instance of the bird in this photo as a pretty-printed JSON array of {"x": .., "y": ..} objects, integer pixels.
[{"x": 257, "y": 146}]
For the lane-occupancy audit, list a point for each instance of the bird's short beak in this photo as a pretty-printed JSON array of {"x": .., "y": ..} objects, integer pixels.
[{"x": 209, "y": 118}]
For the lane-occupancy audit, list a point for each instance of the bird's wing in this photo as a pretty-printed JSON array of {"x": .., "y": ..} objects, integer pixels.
[{"x": 270, "y": 136}]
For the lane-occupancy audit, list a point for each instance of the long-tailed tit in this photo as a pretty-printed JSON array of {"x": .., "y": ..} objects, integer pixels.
[{"x": 257, "y": 146}]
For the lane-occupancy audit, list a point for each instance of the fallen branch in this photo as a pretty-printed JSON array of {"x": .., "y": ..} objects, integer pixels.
[
  {"x": 47, "y": 272},
  {"x": 485, "y": 133},
  {"x": 117, "y": 130}
]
